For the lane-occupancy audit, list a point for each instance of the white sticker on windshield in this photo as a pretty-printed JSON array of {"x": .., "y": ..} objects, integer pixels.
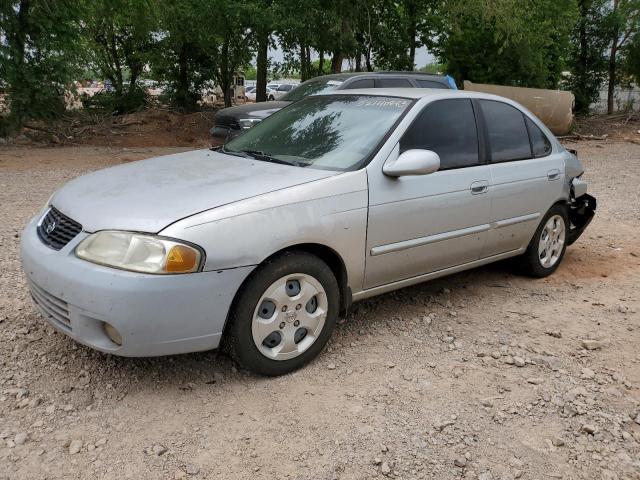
[{"x": 382, "y": 102}]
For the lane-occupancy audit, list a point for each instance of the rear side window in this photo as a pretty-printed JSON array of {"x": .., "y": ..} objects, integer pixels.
[
  {"x": 362, "y": 83},
  {"x": 430, "y": 84},
  {"x": 540, "y": 144},
  {"x": 393, "y": 83},
  {"x": 508, "y": 135},
  {"x": 447, "y": 127}
]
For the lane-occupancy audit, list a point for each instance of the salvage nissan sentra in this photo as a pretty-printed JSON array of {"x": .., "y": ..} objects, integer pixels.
[{"x": 262, "y": 243}]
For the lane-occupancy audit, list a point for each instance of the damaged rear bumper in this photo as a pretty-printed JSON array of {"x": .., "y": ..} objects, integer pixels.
[{"x": 581, "y": 212}]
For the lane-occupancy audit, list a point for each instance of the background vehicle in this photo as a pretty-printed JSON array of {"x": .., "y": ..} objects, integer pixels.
[
  {"x": 251, "y": 94},
  {"x": 282, "y": 90},
  {"x": 234, "y": 120},
  {"x": 340, "y": 197}
]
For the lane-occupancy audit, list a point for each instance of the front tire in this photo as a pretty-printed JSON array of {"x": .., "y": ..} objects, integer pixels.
[
  {"x": 548, "y": 245},
  {"x": 284, "y": 314}
]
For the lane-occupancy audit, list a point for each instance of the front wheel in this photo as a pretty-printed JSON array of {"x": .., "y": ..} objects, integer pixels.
[
  {"x": 548, "y": 245},
  {"x": 284, "y": 315}
]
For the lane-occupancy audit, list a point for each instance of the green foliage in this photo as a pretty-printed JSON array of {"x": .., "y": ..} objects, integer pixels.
[
  {"x": 190, "y": 46},
  {"x": 589, "y": 42},
  {"x": 39, "y": 55},
  {"x": 632, "y": 59},
  {"x": 119, "y": 41},
  {"x": 509, "y": 42}
]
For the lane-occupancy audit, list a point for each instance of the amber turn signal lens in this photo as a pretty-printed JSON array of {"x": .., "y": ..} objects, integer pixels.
[{"x": 182, "y": 259}]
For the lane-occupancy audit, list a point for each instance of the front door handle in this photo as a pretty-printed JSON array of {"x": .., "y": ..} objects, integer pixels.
[
  {"x": 553, "y": 174},
  {"x": 481, "y": 186}
]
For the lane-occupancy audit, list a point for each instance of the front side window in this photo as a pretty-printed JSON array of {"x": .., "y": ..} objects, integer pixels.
[
  {"x": 361, "y": 83},
  {"x": 447, "y": 127},
  {"x": 430, "y": 84},
  {"x": 330, "y": 132},
  {"x": 393, "y": 83},
  {"x": 508, "y": 135}
]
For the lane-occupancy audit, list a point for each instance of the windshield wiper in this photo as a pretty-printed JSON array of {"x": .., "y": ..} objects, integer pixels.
[{"x": 260, "y": 155}]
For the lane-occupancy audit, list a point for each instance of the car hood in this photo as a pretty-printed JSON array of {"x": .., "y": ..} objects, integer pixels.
[
  {"x": 250, "y": 110},
  {"x": 149, "y": 195}
]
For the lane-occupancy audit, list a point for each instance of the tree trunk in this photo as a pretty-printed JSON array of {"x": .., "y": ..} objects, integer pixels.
[
  {"x": 358, "y": 63},
  {"x": 303, "y": 63},
  {"x": 336, "y": 61},
  {"x": 368, "y": 59},
  {"x": 612, "y": 65},
  {"x": 582, "y": 66},
  {"x": 227, "y": 75},
  {"x": 261, "y": 66},
  {"x": 183, "y": 77},
  {"x": 18, "y": 87},
  {"x": 321, "y": 63}
]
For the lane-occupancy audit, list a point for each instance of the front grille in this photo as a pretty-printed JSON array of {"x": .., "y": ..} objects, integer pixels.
[
  {"x": 226, "y": 121},
  {"x": 56, "y": 230},
  {"x": 54, "y": 307}
]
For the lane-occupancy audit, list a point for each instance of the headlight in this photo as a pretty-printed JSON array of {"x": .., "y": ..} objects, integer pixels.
[
  {"x": 139, "y": 252},
  {"x": 246, "y": 123}
]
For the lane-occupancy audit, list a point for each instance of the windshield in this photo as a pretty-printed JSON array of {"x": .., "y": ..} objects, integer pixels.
[
  {"x": 332, "y": 132},
  {"x": 311, "y": 87}
]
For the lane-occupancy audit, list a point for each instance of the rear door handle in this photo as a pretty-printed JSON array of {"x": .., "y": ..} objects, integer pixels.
[
  {"x": 481, "y": 186},
  {"x": 553, "y": 174}
]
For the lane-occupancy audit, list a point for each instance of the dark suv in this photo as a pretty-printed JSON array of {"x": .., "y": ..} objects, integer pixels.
[{"x": 233, "y": 121}]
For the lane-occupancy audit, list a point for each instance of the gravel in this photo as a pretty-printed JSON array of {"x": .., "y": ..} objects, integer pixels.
[{"x": 508, "y": 387}]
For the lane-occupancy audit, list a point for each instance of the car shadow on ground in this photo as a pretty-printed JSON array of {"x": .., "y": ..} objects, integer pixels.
[{"x": 215, "y": 367}]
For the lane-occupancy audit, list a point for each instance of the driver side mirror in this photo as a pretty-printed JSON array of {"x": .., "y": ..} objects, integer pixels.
[{"x": 413, "y": 162}]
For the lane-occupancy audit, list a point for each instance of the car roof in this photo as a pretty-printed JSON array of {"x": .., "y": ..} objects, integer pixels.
[
  {"x": 418, "y": 93},
  {"x": 346, "y": 75}
]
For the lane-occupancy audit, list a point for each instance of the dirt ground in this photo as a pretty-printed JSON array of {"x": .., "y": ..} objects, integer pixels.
[{"x": 484, "y": 374}]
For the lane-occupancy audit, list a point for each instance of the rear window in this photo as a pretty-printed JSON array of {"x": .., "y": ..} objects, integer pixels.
[
  {"x": 540, "y": 144},
  {"x": 508, "y": 135}
]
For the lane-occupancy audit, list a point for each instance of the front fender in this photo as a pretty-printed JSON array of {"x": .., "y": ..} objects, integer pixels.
[{"x": 330, "y": 212}]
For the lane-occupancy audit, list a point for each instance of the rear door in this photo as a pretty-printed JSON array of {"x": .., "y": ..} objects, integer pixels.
[{"x": 527, "y": 176}]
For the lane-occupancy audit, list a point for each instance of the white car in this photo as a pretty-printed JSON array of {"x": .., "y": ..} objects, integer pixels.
[
  {"x": 282, "y": 90},
  {"x": 251, "y": 94}
]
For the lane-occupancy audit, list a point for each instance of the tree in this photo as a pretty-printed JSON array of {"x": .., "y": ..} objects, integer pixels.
[
  {"x": 231, "y": 50},
  {"x": 632, "y": 60},
  {"x": 119, "y": 37},
  {"x": 178, "y": 59},
  {"x": 39, "y": 55},
  {"x": 402, "y": 27},
  {"x": 625, "y": 22},
  {"x": 510, "y": 42},
  {"x": 589, "y": 42}
]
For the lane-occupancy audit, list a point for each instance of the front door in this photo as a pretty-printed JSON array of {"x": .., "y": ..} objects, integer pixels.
[{"x": 421, "y": 224}]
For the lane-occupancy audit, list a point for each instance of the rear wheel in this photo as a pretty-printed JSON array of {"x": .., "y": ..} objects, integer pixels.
[
  {"x": 284, "y": 315},
  {"x": 548, "y": 245}
]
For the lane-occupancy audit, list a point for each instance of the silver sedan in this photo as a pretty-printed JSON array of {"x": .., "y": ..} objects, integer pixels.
[{"x": 260, "y": 245}]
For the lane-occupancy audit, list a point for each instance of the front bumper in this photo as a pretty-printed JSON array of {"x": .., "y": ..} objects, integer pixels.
[
  {"x": 225, "y": 133},
  {"x": 154, "y": 314}
]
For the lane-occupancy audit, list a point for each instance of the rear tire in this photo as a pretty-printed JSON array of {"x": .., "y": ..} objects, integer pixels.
[
  {"x": 284, "y": 314},
  {"x": 548, "y": 245}
]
